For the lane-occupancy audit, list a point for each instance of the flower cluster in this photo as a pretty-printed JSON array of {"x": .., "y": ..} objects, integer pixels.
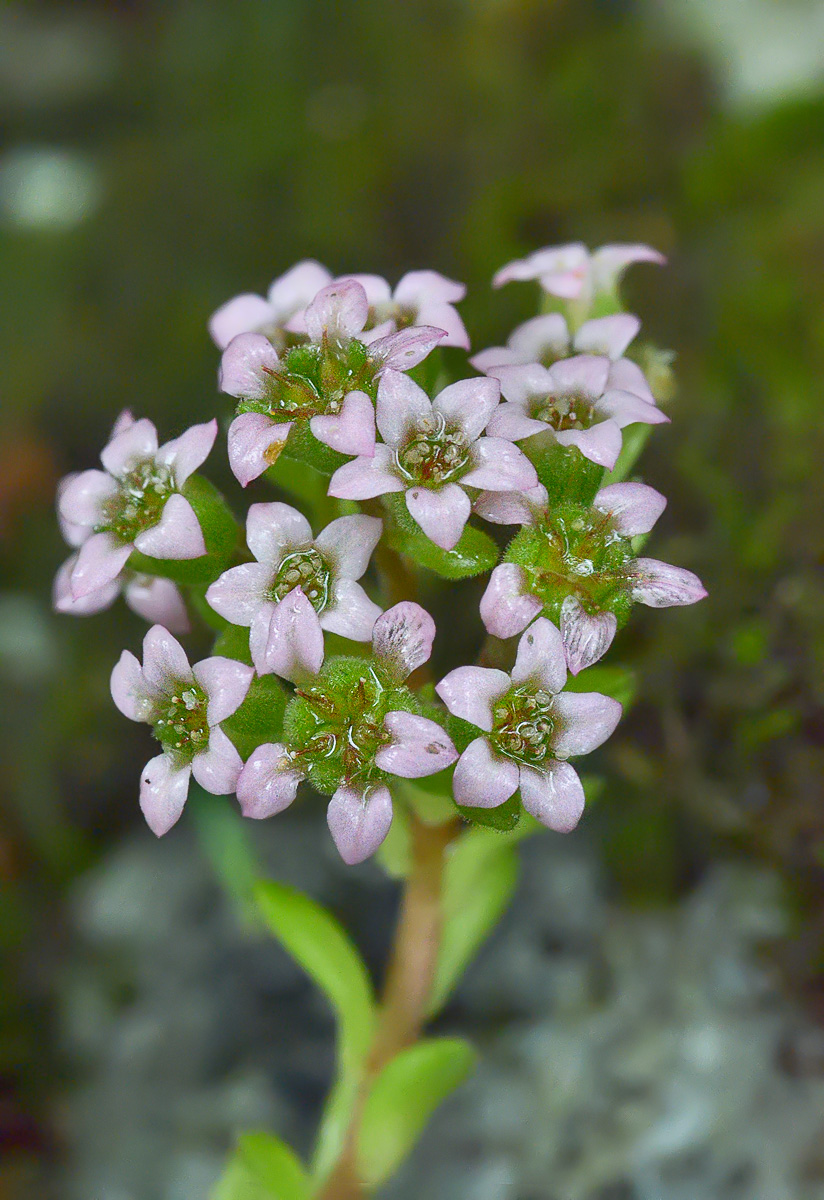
[{"x": 399, "y": 473}]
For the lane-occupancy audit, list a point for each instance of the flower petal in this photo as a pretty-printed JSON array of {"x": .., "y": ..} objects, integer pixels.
[
  {"x": 238, "y": 593},
  {"x": 506, "y": 606},
  {"x": 338, "y": 311},
  {"x": 186, "y": 453},
  {"x": 554, "y": 796},
  {"x": 500, "y": 467},
  {"x": 378, "y": 291},
  {"x": 419, "y": 747},
  {"x": 660, "y": 585},
  {"x": 634, "y": 507},
  {"x": 225, "y": 682},
  {"x": 401, "y": 407},
  {"x": 291, "y": 292},
  {"x": 242, "y": 314},
  {"x": 521, "y": 382},
  {"x": 157, "y": 601},
  {"x": 471, "y": 692},
  {"x": 511, "y": 508},
  {"x": 625, "y": 408},
  {"x": 176, "y": 535},
  {"x": 627, "y": 376},
  {"x": 294, "y": 647},
  {"x": 483, "y": 779},
  {"x": 541, "y": 656},
  {"x": 583, "y": 375},
  {"x": 469, "y": 404},
  {"x": 165, "y": 664},
  {"x": 352, "y": 614},
  {"x": 445, "y": 318},
  {"x": 131, "y": 691},
  {"x": 273, "y": 529},
  {"x": 510, "y": 421},
  {"x": 254, "y": 443},
  {"x": 99, "y": 561},
  {"x": 543, "y": 337},
  {"x": 586, "y": 638},
  {"x": 86, "y": 606},
  {"x": 244, "y": 365},
  {"x": 135, "y": 443},
  {"x": 82, "y": 498},
  {"x": 441, "y": 515},
  {"x": 570, "y": 257},
  {"x": 163, "y": 791},
  {"x": 349, "y": 542},
  {"x": 406, "y": 348},
  {"x": 601, "y": 444},
  {"x": 268, "y": 783},
  {"x": 365, "y": 477},
  {"x": 359, "y": 823},
  {"x": 610, "y": 262},
  {"x": 586, "y": 720},
  {"x": 404, "y": 635},
  {"x": 218, "y": 767},
  {"x": 352, "y": 430},
  {"x": 607, "y": 335},
  {"x": 418, "y": 287}
]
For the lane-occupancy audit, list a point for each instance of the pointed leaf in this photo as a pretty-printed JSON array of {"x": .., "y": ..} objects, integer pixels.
[{"x": 274, "y": 1165}]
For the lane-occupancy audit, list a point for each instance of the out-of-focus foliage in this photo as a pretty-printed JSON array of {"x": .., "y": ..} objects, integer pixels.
[{"x": 160, "y": 157}]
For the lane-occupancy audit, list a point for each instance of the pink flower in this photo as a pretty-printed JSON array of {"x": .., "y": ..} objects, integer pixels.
[
  {"x": 361, "y": 737},
  {"x": 281, "y": 311},
  {"x": 185, "y": 706},
  {"x": 432, "y": 451},
  {"x": 324, "y": 569},
  {"x": 547, "y": 338},
  {"x": 584, "y": 573},
  {"x": 531, "y": 728},
  {"x": 330, "y": 390},
  {"x": 421, "y": 298},
  {"x": 134, "y": 504},
  {"x": 580, "y": 400},
  {"x": 573, "y": 273},
  {"x": 155, "y": 599}
]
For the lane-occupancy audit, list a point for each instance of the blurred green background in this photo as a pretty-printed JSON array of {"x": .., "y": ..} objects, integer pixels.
[{"x": 158, "y": 158}]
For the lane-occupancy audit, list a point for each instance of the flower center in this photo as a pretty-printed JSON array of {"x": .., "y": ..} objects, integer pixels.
[
  {"x": 344, "y": 732},
  {"x": 139, "y": 502},
  {"x": 181, "y": 727},
  {"x": 434, "y": 454},
  {"x": 307, "y": 570},
  {"x": 564, "y": 412},
  {"x": 313, "y": 380},
  {"x": 524, "y": 724}
]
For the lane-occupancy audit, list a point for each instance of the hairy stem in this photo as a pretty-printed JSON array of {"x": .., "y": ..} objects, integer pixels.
[{"x": 408, "y": 984}]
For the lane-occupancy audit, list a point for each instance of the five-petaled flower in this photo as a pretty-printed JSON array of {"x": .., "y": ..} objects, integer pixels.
[
  {"x": 326, "y": 383},
  {"x": 571, "y": 272},
  {"x": 185, "y": 706},
  {"x": 577, "y": 566},
  {"x": 134, "y": 504},
  {"x": 432, "y": 450},
  {"x": 349, "y": 731},
  {"x": 323, "y": 569},
  {"x": 530, "y": 728},
  {"x": 279, "y": 314}
]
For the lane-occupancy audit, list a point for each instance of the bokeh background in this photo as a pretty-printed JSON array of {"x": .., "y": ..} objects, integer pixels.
[{"x": 652, "y": 1008}]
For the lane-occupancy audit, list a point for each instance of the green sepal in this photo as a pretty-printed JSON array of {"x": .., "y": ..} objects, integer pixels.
[
  {"x": 474, "y": 554},
  {"x": 504, "y": 817},
  {"x": 402, "y": 1100},
  {"x": 259, "y": 718},
  {"x": 233, "y": 642},
  {"x": 462, "y": 732},
  {"x": 567, "y": 474},
  {"x": 220, "y": 533}
]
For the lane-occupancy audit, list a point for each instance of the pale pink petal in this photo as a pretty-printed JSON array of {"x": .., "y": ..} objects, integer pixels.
[
  {"x": 542, "y": 336},
  {"x": 268, "y": 783},
  {"x": 417, "y": 287},
  {"x": 238, "y": 593},
  {"x": 418, "y": 747},
  {"x": 368, "y": 336},
  {"x": 569, "y": 285},
  {"x": 541, "y": 657},
  {"x": 607, "y": 335},
  {"x": 165, "y": 664},
  {"x": 601, "y": 444},
  {"x": 584, "y": 375},
  {"x": 134, "y": 444},
  {"x": 627, "y": 376},
  {"x": 82, "y": 499},
  {"x": 131, "y": 691},
  {"x": 441, "y": 515},
  {"x": 511, "y": 508},
  {"x": 158, "y": 601},
  {"x": 586, "y": 638},
  {"x": 401, "y": 407},
  {"x": 275, "y": 528},
  {"x": 506, "y": 605},
  {"x": 610, "y": 262},
  {"x": 363, "y": 478},
  {"x": 176, "y": 535},
  {"x": 163, "y": 791},
  {"x": 186, "y": 453},
  {"x": 482, "y": 778},
  {"x": 585, "y": 721},
  {"x": 352, "y": 430},
  {"x": 352, "y": 614},
  {"x": 73, "y": 533},
  {"x": 406, "y": 348},
  {"x": 625, "y": 408},
  {"x": 254, "y": 443},
  {"x": 217, "y": 768},
  {"x": 242, "y": 314},
  {"x": 500, "y": 467},
  {"x": 570, "y": 257},
  {"x": 86, "y": 606},
  {"x": 124, "y": 421},
  {"x": 259, "y": 634},
  {"x": 661, "y": 586},
  {"x": 244, "y": 365},
  {"x": 338, "y": 311},
  {"x": 485, "y": 361},
  {"x": 348, "y": 543},
  {"x": 446, "y": 318},
  {"x": 99, "y": 561},
  {"x": 521, "y": 382},
  {"x": 291, "y": 292},
  {"x": 225, "y": 682},
  {"x": 403, "y": 635},
  {"x": 468, "y": 404},
  {"x": 554, "y": 796},
  {"x": 294, "y": 648},
  {"x": 634, "y": 507},
  {"x": 359, "y": 823},
  {"x": 471, "y": 692},
  {"x": 378, "y": 291},
  {"x": 509, "y": 421}
]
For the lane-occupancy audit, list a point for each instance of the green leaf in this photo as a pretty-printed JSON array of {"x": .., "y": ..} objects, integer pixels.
[
  {"x": 402, "y": 1100},
  {"x": 224, "y": 838},
  {"x": 275, "y": 1165},
  {"x": 474, "y": 553},
  {"x": 238, "y": 1183},
  {"x": 260, "y": 717},
  {"x": 220, "y": 532},
  {"x": 505, "y": 817}
]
